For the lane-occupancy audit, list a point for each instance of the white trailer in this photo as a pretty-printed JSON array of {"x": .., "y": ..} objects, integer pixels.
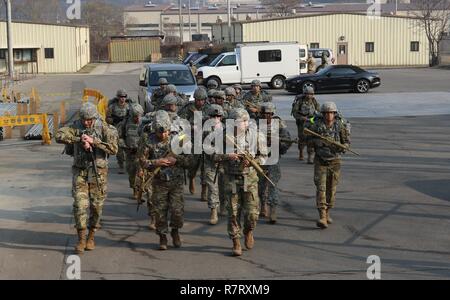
[{"x": 270, "y": 63}]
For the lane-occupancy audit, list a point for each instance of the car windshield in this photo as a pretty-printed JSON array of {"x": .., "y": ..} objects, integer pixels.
[
  {"x": 175, "y": 77},
  {"x": 215, "y": 61},
  {"x": 323, "y": 71}
]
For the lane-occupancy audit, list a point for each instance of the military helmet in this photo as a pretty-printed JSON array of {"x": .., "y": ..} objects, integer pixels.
[
  {"x": 328, "y": 107},
  {"x": 162, "y": 121},
  {"x": 169, "y": 99},
  {"x": 211, "y": 93},
  {"x": 309, "y": 90},
  {"x": 163, "y": 81},
  {"x": 268, "y": 107},
  {"x": 237, "y": 86},
  {"x": 136, "y": 110},
  {"x": 121, "y": 93},
  {"x": 256, "y": 82},
  {"x": 171, "y": 88},
  {"x": 88, "y": 111},
  {"x": 200, "y": 94},
  {"x": 229, "y": 91},
  {"x": 239, "y": 114},
  {"x": 220, "y": 95},
  {"x": 215, "y": 110},
  {"x": 212, "y": 84}
]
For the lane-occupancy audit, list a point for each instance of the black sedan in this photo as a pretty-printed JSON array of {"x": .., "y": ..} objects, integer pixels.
[{"x": 334, "y": 78}]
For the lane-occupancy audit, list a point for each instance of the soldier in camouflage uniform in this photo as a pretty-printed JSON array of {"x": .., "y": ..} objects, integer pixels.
[
  {"x": 129, "y": 136},
  {"x": 212, "y": 85},
  {"x": 211, "y": 99},
  {"x": 155, "y": 155},
  {"x": 311, "y": 64},
  {"x": 327, "y": 162},
  {"x": 159, "y": 93},
  {"x": 187, "y": 113},
  {"x": 88, "y": 138},
  {"x": 305, "y": 107},
  {"x": 254, "y": 98},
  {"x": 182, "y": 99},
  {"x": 268, "y": 193},
  {"x": 117, "y": 112},
  {"x": 238, "y": 88},
  {"x": 241, "y": 181},
  {"x": 231, "y": 99},
  {"x": 212, "y": 167}
]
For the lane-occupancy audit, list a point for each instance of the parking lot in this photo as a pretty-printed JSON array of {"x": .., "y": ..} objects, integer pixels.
[{"x": 393, "y": 201}]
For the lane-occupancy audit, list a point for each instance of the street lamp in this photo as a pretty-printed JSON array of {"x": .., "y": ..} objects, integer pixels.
[{"x": 9, "y": 40}]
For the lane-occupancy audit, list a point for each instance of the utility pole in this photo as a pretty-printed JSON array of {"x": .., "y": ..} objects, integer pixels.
[
  {"x": 396, "y": 6},
  {"x": 9, "y": 40},
  {"x": 190, "y": 29},
  {"x": 229, "y": 20},
  {"x": 181, "y": 22}
]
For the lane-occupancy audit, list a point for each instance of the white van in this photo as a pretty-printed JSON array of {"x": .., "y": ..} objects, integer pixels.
[{"x": 270, "y": 63}]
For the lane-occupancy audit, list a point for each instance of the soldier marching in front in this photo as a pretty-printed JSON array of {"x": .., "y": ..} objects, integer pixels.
[
  {"x": 254, "y": 98},
  {"x": 90, "y": 141},
  {"x": 268, "y": 193},
  {"x": 305, "y": 107},
  {"x": 156, "y": 154},
  {"x": 327, "y": 162}
]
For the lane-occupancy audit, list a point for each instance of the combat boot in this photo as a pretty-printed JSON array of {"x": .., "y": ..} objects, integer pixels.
[
  {"x": 213, "y": 218},
  {"x": 223, "y": 210},
  {"x": 249, "y": 240},
  {"x": 322, "y": 222},
  {"x": 176, "y": 238},
  {"x": 152, "y": 223},
  {"x": 273, "y": 215},
  {"x": 237, "y": 249},
  {"x": 162, "y": 242},
  {"x": 329, "y": 219},
  {"x": 90, "y": 244},
  {"x": 81, "y": 245},
  {"x": 204, "y": 196},
  {"x": 264, "y": 210},
  {"x": 310, "y": 159},
  {"x": 192, "y": 186},
  {"x": 300, "y": 154}
]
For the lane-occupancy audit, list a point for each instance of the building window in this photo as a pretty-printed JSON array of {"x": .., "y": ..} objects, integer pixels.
[
  {"x": 314, "y": 45},
  {"x": 49, "y": 53},
  {"x": 17, "y": 55},
  {"x": 269, "y": 55},
  {"x": 414, "y": 46},
  {"x": 26, "y": 55},
  {"x": 370, "y": 47},
  {"x": 2, "y": 54}
]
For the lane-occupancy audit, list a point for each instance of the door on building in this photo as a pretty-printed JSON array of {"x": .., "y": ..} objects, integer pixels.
[{"x": 342, "y": 53}]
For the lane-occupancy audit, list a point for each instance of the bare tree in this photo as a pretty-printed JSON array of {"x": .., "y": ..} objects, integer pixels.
[
  {"x": 434, "y": 17},
  {"x": 42, "y": 11},
  {"x": 281, "y": 8}
]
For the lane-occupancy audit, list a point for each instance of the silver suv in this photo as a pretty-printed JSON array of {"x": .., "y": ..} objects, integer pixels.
[{"x": 177, "y": 74}]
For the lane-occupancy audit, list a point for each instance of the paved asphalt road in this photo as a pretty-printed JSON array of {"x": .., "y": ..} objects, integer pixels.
[{"x": 393, "y": 202}]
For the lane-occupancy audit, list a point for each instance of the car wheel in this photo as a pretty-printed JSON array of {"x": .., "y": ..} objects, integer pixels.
[
  {"x": 362, "y": 86},
  {"x": 277, "y": 82},
  {"x": 216, "y": 79},
  {"x": 308, "y": 84}
]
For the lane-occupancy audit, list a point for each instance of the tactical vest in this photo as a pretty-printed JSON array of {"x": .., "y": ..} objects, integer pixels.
[
  {"x": 326, "y": 152},
  {"x": 132, "y": 135},
  {"x": 81, "y": 158},
  {"x": 307, "y": 108},
  {"x": 118, "y": 113},
  {"x": 160, "y": 150}
]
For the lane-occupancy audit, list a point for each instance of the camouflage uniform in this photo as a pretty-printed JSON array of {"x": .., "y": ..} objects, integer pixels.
[
  {"x": 327, "y": 162},
  {"x": 240, "y": 94},
  {"x": 268, "y": 193},
  {"x": 167, "y": 183},
  {"x": 159, "y": 93},
  {"x": 255, "y": 99},
  {"x": 85, "y": 190},
  {"x": 311, "y": 65},
  {"x": 116, "y": 114},
  {"x": 128, "y": 133},
  {"x": 241, "y": 186},
  {"x": 304, "y": 108}
]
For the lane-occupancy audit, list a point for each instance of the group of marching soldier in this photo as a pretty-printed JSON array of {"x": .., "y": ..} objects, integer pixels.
[{"x": 239, "y": 184}]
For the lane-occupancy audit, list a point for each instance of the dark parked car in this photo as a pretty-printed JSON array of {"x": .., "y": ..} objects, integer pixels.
[{"x": 334, "y": 78}]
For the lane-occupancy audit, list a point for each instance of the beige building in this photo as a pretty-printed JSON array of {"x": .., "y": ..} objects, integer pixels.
[
  {"x": 45, "y": 48},
  {"x": 354, "y": 38}
]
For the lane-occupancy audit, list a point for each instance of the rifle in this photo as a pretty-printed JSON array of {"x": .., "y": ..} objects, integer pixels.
[
  {"x": 252, "y": 161},
  {"x": 91, "y": 154},
  {"x": 252, "y": 105},
  {"x": 329, "y": 141}
]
